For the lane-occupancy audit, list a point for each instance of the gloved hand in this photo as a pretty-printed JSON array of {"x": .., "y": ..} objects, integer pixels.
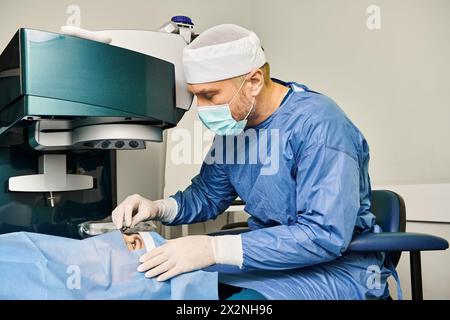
[
  {"x": 178, "y": 256},
  {"x": 136, "y": 208}
]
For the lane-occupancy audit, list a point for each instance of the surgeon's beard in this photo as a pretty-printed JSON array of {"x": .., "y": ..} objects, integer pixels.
[{"x": 244, "y": 107}]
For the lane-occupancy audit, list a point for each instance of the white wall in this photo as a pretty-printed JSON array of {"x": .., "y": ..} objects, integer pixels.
[{"x": 394, "y": 82}]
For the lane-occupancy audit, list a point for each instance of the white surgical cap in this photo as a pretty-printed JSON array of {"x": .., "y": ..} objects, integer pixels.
[{"x": 222, "y": 52}]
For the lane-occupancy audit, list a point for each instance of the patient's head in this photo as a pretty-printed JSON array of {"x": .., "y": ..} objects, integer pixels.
[{"x": 134, "y": 241}]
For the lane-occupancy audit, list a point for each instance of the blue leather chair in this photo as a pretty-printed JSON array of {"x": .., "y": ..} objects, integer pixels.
[{"x": 389, "y": 210}]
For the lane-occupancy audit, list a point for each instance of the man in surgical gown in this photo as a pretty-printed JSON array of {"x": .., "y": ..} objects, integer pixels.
[{"x": 297, "y": 161}]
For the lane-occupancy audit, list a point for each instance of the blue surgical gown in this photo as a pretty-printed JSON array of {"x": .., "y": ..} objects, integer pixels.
[
  {"x": 307, "y": 194},
  {"x": 44, "y": 267}
]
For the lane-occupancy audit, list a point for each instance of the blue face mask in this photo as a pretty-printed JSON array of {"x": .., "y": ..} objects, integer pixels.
[{"x": 218, "y": 118}]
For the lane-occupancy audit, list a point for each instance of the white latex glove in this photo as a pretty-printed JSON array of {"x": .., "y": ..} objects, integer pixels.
[
  {"x": 136, "y": 208},
  {"x": 178, "y": 256}
]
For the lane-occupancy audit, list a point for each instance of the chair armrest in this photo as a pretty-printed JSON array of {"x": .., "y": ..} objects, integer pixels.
[
  {"x": 396, "y": 241},
  {"x": 235, "y": 225},
  {"x": 229, "y": 231}
]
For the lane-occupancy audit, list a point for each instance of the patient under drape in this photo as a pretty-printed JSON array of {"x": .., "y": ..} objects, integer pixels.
[{"x": 38, "y": 266}]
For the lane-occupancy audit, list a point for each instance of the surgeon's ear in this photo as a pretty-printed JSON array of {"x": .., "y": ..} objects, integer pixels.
[{"x": 256, "y": 78}]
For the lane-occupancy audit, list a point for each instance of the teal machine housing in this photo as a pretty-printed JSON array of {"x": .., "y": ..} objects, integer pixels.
[{"x": 67, "y": 105}]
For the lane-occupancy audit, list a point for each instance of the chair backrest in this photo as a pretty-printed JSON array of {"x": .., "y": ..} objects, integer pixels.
[
  {"x": 390, "y": 213},
  {"x": 389, "y": 210}
]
